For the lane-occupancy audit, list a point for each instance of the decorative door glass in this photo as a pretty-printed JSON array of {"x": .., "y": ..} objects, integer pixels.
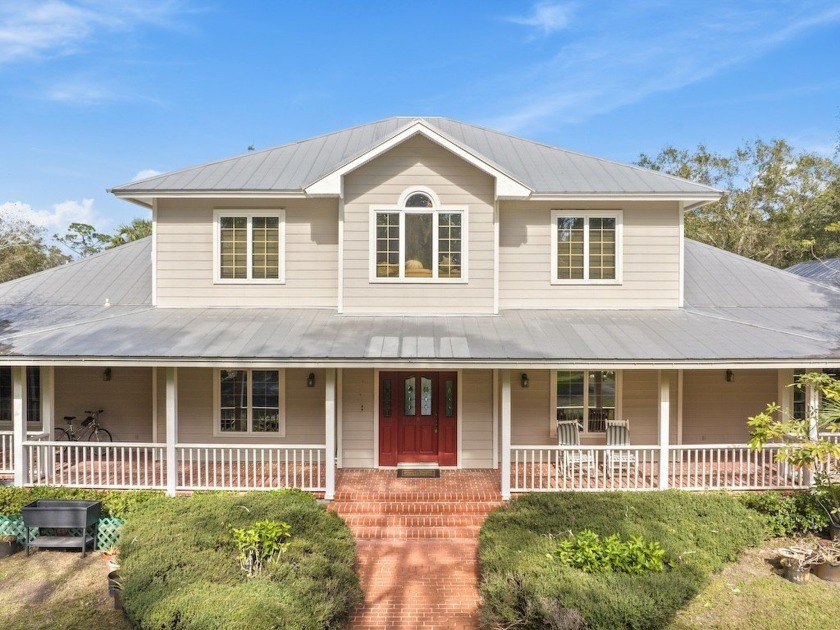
[
  {"x": 449, "y": 401},
  {"x": 386, "y": 397},
  {"x": 410, "y": 393},
  {"x": 425, "y": 396}
]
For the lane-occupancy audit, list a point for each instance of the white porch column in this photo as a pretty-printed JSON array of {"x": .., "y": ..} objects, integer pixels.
[
  {"x": 505, "y": 465},
  {"x": 664, "y": 427},
  {"x": 19, "y": 423},
  {"x": 171, "y": 430},
  {"x": 48, "y": 401},
  {"x": 812, "y": 400},
  {"x": 329, "y": 419}
]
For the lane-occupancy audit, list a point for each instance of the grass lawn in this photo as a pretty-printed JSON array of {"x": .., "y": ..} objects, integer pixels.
[
  {"x": 752, "y": 594},
  {"x": 56, "y": 589}
]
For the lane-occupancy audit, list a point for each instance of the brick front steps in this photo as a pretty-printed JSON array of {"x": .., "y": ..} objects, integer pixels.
[{"x": 416, "y": 545}]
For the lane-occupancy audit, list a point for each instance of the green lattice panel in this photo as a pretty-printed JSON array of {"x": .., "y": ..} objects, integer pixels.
[{"x": 109, "y": 530}]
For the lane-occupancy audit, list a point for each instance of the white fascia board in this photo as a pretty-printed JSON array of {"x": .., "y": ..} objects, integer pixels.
[
  {"x": 692, "y": 200},
  {"x": 506, "y": 185}
]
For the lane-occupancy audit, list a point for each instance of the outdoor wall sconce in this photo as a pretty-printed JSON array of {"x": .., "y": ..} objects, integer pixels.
[
  {"x": 310, "y": 380},
  {"x": 730, "y": 376},
  {"x": 106, "y": 374},
  {"x": 523, "y": 380}
]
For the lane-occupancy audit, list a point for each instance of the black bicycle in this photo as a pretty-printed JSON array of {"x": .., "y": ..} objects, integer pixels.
[{"x": 90, "y": 431}]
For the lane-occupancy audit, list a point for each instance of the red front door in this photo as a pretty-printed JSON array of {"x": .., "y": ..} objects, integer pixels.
[{"x": 417, "y": 418}]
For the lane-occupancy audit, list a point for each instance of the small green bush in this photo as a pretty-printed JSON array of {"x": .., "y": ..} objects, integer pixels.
[
  {"x": 264, "y": 542},
  {"x": 181, "y": 567},
  {"x": 523, "y": 584},
  {"x": 590, "y": 553},
  {"x": 116, "y": 503},
  {"x": 788, "y": 514}
]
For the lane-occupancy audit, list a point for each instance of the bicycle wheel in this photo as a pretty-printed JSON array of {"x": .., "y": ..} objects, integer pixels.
[
  {"x": 62, "y": 435},
  {"x": 102, "y": 435},
  {"x": 63, "y": 453}
]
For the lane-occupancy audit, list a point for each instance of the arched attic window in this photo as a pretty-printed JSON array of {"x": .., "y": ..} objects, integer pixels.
[{"x": 419, "y": 240}]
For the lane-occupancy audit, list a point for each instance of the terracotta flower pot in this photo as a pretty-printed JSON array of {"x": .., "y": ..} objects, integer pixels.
[
  {"x": 827, "y": 571},
  {"x": 798, "y": 575}
]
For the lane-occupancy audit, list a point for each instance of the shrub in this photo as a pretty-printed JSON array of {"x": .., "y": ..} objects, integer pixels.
[
  {"x": 590, "y": 553},
  {"x": 788, "y": 514},
  {"x": 116, "y": 503},
  {"x": 181, "y": 568},
  {"x": 264, "y": 542},
  {"x": 523, "y": 585}
]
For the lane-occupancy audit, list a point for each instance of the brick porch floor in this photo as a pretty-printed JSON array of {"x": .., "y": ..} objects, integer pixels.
[{"x": 416, "y": 545}]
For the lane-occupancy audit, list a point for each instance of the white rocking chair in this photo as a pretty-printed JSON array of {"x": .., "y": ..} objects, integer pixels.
[
  {"x": 568, "y": 434},
  {"x": 618, "y": 435}
]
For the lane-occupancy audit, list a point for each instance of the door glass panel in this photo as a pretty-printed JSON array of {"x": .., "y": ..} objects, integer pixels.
[
  {"x": 410, "y": 392},
  {"x": 449, "y": 405},
  {"x": 386, "y": 398},
  {"x": 425, "y": 396}
]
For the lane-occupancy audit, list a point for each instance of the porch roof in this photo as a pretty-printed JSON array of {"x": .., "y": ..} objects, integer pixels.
[{"x": 737, "y": 311}]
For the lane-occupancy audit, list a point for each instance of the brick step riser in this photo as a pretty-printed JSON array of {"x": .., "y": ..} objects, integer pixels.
[
  {"x": 399, "y": 497},
  {"x": 346, "y": 508},
  {"x": 414, "y": 533},
  {"x": 413, "y": 521}
]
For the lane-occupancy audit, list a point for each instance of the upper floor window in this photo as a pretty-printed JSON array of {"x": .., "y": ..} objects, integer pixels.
[
  {"x": 586, "y": 247},
  {"x": 418, "y": 239},
  {"x": 249, "y": 245}
]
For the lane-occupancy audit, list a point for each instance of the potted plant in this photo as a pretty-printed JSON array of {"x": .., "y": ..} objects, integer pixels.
[
  {"x": 828, "y": 564},
  {"x": 111, "y": 556},
  {"x": 797, "y": 562},
  {"x": 8, "y": 546},
  {"x": 115, "y": 587}
]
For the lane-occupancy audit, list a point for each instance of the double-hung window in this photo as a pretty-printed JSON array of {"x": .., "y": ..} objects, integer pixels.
[
  {"x": 33, "y": 394},
  {"x": 589, "y": 397},
  {"x": 418, "y": 240},
  {"x": 249, "y": 401},
  {"x": 586, "y": 247},
  {"x": 249, "y": 246}
]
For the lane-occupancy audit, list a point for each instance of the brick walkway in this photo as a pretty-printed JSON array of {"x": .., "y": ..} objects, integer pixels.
[{"x": 416, "y": 545}]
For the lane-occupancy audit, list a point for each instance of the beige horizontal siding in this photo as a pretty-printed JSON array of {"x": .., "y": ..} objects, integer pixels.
[
  {"x": 716, "y": 412},
  {"x": 184, "y": 255},
  {"x": 357, "y": 419},
  {"x": 126, "y": 399},
  {"x": 418, "y": 162},
  {"x": 650, "y": 259},
  {"x": 477, "y": 419}
]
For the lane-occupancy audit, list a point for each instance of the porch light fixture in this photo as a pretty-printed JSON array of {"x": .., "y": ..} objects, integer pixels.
[
  {"x": 310, "y": 380},
  {"x": 730, "y": 376},
  {"x": 523, "y": 380},
  {"x": 106, "y": 374}
]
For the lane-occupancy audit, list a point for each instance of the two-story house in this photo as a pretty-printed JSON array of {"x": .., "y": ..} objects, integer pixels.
[{"x": 410, "y": 292}]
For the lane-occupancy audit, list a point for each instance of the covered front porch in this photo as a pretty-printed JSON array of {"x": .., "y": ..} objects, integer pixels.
[{"x": 506, "y": 423}]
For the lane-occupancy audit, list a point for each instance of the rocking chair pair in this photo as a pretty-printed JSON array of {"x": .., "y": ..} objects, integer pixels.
[{"x": 618, "y": 435}]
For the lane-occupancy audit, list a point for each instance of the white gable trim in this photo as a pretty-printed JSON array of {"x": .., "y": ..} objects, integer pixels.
[{"x": 506, "y": 186}]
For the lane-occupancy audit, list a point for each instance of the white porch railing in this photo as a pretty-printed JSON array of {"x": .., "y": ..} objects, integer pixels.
[
  {"x": 583, "y": 468},
  {"x": 731, "y": 467},
  {"x": 7, "y": 454},
  {"x": 120, "y": 465},
  {"x": 251, "y": 467},
  {"x": 690, "y": 467}
]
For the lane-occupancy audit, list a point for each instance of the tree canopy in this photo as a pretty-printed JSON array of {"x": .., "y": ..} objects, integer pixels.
[{"x": 779, "y": 206}]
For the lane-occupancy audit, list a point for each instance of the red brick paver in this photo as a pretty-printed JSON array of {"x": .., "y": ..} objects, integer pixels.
[{"x": 416, "y": 545}]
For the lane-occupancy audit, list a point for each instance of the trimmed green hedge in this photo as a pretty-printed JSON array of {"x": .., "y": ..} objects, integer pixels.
[
  {"x": 524, "y": 585},
  {"x": 116, "y": 503},
  {"x": 788, "y": 514},
  {"x": 180, "y": 566}
]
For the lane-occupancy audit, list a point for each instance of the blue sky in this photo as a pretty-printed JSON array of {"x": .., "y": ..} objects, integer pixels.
[{"x": 95, "y": 92}]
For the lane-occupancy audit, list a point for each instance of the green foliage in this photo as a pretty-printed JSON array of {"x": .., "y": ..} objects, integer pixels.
[
  {"x": 22, "y": 247},
  {"x": 590, "y": 553},
  {"x": 523, "y": 584},
  {"x": 788, "y": 514},
  {"x": 779, "y": 206},
  {"x": 116, "y": 503},
  {"x": 264, "y": 542},
  {"x": 179, "y": 564},
  {"x": 83, "y": 239},
  {"x": 129, "y": 232}
]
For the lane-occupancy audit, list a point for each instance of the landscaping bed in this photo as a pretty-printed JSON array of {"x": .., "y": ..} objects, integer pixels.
[
  {"x": 181, "y": 567},
  {"x": 525, "y": 584}
]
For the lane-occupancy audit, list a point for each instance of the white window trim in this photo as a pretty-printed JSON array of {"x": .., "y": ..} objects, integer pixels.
[
  {"x": 552, "y": 394},
  {"x": 217, "y": 406},
  {"x": 250, "y": 214},
  {"x": 586, "y": 215},
  {"x": 435, "y": 211}
]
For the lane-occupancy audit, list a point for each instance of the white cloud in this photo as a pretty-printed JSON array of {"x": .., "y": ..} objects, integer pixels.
[
  {"x": 145, "y": 174},
  {"x": 36, "y": 28},
  {"x": 546, "y": 17},
  {"x": 57, "y": 218},
  {"x": 631, "y": 51}
]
